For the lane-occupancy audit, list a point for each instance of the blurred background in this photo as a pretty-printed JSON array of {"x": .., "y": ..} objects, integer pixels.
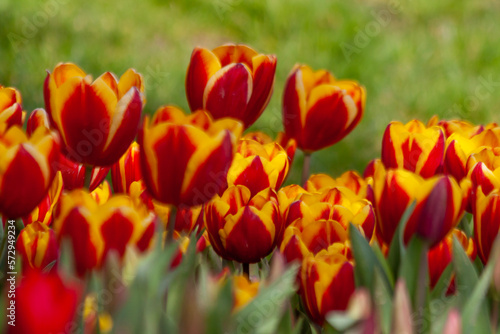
[{"x": 416, "y": 58}]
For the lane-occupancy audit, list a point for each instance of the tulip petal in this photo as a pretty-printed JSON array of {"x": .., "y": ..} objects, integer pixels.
[{"x": 204, "y": 64}]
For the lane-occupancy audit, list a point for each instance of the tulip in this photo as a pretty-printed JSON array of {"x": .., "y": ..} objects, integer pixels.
[
  {"x": 258, "y": 166},
  {"x": 327, "y": 283},
  {"x": 11, "y": 111},
  {"x": 244, "y": 291},
  {"x": 96, "y": 225},
  {"x": 339, "y": 204},
  {"x": 319, "y": 110},
  {"x": 43, "y": 212},
  {"x": 458, "y": 150},
  {"x": 439, "y": 204},
  {"x": 350, "y": 179},
  {"x": 37, "y": 246},
  {"x": 439, "y": 257},
  {"x": 230, "y": 81},
  {"x": 97, "y": 120},
  {"x": 287, "y": 195},
  {"x": 185, "y": 159},
  {"x": 289, "y": 144},
  {"x": 27, "y": 168},
  {"x": 45, "y": 304},
  {"x": 486, "y": 221},
  {"x": 306, "y": 238},
  {"x": 38, "y": 118},
  {"x": 126, "y": 170},
  {"x": 461, "y": 127},
  {"x": 414, "y": 147},
  {"x": 243, "y": 228}
]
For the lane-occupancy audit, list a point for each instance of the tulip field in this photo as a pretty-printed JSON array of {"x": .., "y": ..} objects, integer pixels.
[{"x": 127, "y": 214}]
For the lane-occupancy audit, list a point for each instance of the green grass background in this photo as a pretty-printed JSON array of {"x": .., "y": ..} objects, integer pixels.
[{"x": 428, "y": 57}]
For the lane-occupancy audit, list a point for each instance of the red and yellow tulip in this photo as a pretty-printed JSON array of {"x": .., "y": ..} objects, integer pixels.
[
  {"x": 414, "y": 147},
  {"x": 327, "y": 283},
  {"x": 244, "y": 291},
  {"x": 230, "y": 81},
  {"x": 43, "y": 212},
  {"x": 97, "y": 120},
  {"x": 185, "y": 158},
  {"x": 37, "y": 245},
  {"x": 350, "y": 179},
  {"x": 241, "y": 227},
  {"x": 126, "y": 170},
  {"x": 319, "y": 110},
  {"x": 11, "y": 111},
  {"x": 461, "y": 127},
  {"x": 439, "y": 204},
  {"x": 27, "y": 167},
  {"x": 96, "y": 224},
  {"x": 45, "y": 303},
  {"x": 258, "y": 166},
  {"x": 486, "y": 212},
  {"x": 289, "y": 144},
  {"x": 439, "y": 256}
]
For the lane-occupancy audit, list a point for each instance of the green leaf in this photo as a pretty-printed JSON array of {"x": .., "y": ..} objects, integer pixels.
[
  {"x": 366, "y": 261},
  {"x": 471, "y": 291},
  {"x": 397, "y": 246},
  {"x": 263, "y": 313},
  {"x": 412, "y": 263},
  {"x": 383, "y": 301},
  {"x": 443, "y": 283}
]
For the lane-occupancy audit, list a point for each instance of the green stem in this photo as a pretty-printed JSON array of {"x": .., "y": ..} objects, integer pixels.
[
  {"x": 171, "y": 224},
  {"x": 305, "y": 168},
  {"x": 88, "y": 177},
  {"x": 246, "y": 270},
  {"x": 422, "y": 280}
]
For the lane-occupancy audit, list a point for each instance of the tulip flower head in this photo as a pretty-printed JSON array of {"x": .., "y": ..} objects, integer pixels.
[
  {"x": 185, "y": 158},
  {"x": 414, "y": 147},
  {"x": 319, "y": 110},
  {"x": 244, "y": 228},
  {"x": 11, "y": 111},
  {"x": 230, "y": 81},
  {"x": 97, "y": 120},
  {"x": 27, "y": 167},
  {"x": 37, "y": 245}
]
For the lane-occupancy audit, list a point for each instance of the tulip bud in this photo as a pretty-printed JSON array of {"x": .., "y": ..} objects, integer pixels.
[
  {"x": 11, "y": 111},
  {"x": 230, "y": 81},
  {"x": 244, "y": 228},
  {"x": 319, "y": 110},
  {"x": 27, "y": 167},
  {"x": 203, "y": 149},
  {"x": 98, "y": 131},
  {"x": 37, "y": 245},
  {"x": 413, "y": 147},
  {"x": 126, "y": 170}
]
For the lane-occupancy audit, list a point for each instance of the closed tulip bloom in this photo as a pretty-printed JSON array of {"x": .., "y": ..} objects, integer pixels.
[
  {"x": 230, "y": 81},
  {"x": 243, "y": 228},
  {"x": 327, "y": 283},
  {"x": 45, "y": 303},
  {"x": 97, "y": 120},
  {"x": 319, "y": 110},
  {"x": 258, "y": 166},
  {"x": 307, "y": 237},
  {"x": 458, "y": 151},
  {"x": 37, "y": 245},
  {"x": 461, "y": 127},
  {"x": 287, "y": 195},
  {"x": 439, "y": 256},
  {"x": 339, "y": 204},
  {"x": 414, "y": 147},
  {"x": 11, "y": 111},
  {"x": 27, "y": 167},
  {"x": 289, "y": 144},
  {"x": 486, "y": 214},
  {"x": 439, "y": 204},
  {"x": 203, "y": 151},
  {"x": 350, "y": 179},
  {"x": 95, "y": 226},
  {"x": 38, "y": 118},
  {"x": 126, "y": 170},
  {"x": 43, "y": 212}
]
